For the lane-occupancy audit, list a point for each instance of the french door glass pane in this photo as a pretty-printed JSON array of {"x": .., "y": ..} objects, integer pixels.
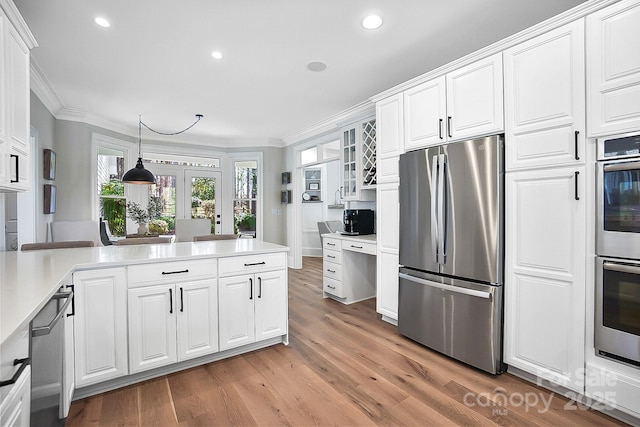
[
  {"x": 203, "y": 199},
  {"x": 165, "y": 190}
]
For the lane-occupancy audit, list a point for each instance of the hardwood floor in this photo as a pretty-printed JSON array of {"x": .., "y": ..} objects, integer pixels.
[{"x": 344, "y": 366}]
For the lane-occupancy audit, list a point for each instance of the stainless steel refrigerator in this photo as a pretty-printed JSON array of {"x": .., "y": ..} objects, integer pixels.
[{"x": 452, "y": 249}]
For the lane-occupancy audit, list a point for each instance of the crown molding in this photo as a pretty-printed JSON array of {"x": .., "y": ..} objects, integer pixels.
[
  {"x": 332, "y": 123},
  {"x": 13, "y": 14},
  {"x": 43, "y": 89},
  {"x": 552, "y": 23}
]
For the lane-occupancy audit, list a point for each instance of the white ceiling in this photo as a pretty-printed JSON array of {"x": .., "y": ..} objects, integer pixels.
[{"x": 155, "y": 59}]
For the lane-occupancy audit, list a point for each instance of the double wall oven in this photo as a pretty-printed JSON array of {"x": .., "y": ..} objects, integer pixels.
[{"x": 617, "y": 316}]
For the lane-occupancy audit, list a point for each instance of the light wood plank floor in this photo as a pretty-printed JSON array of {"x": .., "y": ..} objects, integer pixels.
[{"x": 345, "y": 367}]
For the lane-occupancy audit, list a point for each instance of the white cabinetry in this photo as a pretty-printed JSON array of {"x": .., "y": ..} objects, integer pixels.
[
  {"x": 464, "y": 103},
  {"x": 613, "y": 69},
  {"x": 389, "y": 137},
  {"x": 545, "y": 210},
  {"x": 69, "y": 362},
  {"x": 358, "y": 158},
  {"x": 172, "y": 319},
  {"x": 14, "y": 105},
  {"x": 100, "y": 325},
  {"x": 545, "y": 100},
  {"x": 388, "y": 215},
  {"x": 15, "y": 392},
  {"x": 253, "y": 306},
  {"x": 545, "y": 274}
]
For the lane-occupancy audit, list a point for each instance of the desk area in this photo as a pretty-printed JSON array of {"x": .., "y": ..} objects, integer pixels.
[{"x": 348, "y": 267}]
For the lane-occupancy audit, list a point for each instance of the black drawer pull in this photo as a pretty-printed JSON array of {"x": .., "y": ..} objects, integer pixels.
[
  {"x": 330, "y": 244},
  {"x": 357, "y": 247},
  {"x": 331, "y": 287},
  {"x": 330, "y": 271},
  {"x": 330, "y": 256},
  {"x": 250, "y": 264},
  {"x": 175, "y": 272},
  {"x": 26, "y": 361}
]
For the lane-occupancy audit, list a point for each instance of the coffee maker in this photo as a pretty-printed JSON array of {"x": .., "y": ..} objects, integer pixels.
[{"x": 358, "y": 221}]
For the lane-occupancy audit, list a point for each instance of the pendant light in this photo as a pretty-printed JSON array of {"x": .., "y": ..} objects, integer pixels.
[{"x": 140, "y": 175}]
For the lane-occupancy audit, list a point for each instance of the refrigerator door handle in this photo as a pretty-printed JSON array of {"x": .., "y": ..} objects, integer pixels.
[
  {"x": 456, "y": 289},
  {"x": 442, "y": 161},
  {"x": 434, "y": 204}
]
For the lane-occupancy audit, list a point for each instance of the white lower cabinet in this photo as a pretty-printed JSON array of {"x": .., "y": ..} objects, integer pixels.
[
  {"x": 253, "y": 307},
  {"x": 172, "y": 322},
  {"x": 100, "y": 325},
  {"x": 15, "y": 389},
  {"x": 388, "y": 210},
  {"x": 16, "y": 405},
  {"x": 545, "y": 263}
]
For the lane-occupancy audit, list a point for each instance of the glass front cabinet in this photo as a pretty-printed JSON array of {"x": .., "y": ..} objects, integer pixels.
[{"x": 358, "y": 155}]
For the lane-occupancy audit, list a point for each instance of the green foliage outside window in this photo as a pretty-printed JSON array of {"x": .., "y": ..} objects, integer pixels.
[{"x": 113, "y": 209}]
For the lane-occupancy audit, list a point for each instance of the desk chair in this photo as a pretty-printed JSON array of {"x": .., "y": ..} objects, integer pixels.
[
  {"x": 335, "y": 226},
  {"x": 57, "y": 245},
  {"x": 207, "y": 237}
]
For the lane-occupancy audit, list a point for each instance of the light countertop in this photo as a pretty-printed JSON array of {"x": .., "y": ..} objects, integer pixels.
[
  {"x": 367, "y": 238},
  {"x": 29, "y": 279}
]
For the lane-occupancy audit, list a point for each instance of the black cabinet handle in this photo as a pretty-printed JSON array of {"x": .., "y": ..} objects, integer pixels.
[
  {"x": 254, "y": 263},
  {"x": 449, "y": 126},
  {"x": 576, "y": 185},
  {"x": 576, "y": 145},
  {"x": 259, "y": 287},
  {"x": 330, "y": 271},
  {"x": 181, "y": 301},
  {"x": 24, "y": 362},
  {"x": 170, "y": 301},
  {"x": 175, "y": 272},
  {"x": 440, "y": 128},
  {"x": 328, "y": 244},
  {"x": 250, "y": 288},
  {"x": 15, "y": 156},
  {"x": 73, "y": 301},
  {"x": 357, "y": 247}
]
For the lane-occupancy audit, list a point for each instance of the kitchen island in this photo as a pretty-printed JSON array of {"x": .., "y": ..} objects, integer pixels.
[{"x": 142, "y": 311}]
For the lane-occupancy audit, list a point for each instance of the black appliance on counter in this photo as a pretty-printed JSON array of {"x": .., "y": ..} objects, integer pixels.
[{"x": 358, "y": 222}]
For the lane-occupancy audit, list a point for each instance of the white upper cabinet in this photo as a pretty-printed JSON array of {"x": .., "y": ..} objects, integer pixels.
[
  {"x": 613, "y": 69},
  {"x": 464, "y": 103},
  {"x": 358, "y": 156},
  {"x": 545, "y": 100},
  {"x": 14, "y": 106},
  {"x": 389, "y": 137}
]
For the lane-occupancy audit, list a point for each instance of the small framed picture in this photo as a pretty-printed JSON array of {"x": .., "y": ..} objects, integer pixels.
[
  {"x": 286, "y": 178},
  {"x": 49, "y": 171},
  {"x": 314, "y": 186},
  {"x": 49, "y": 199},
  {"x": 285, "y": 196}
]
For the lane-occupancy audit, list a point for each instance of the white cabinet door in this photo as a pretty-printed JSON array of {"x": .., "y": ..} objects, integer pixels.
[
  {"x": 68, "y": 359},
  {"x": 545, "y": 100},
  {"x": 425, "y": 111},
  {"x": 613, "y": 69},
  {"x": 100, "y": 325},
  {"x": 390, "y": 137},
  {"x": 358, "y": 157},
  {"x": 197, "y": 327},
  {"x": 15, "y": 407},
  {"x": 271, "y": 304},
  {"x": 545, "y": 274},
  {"x": 388, "y": 209},
  {"x": 474, "y": 99},
  {"x": 152, "y": 327},
  {"x": 236, "y": 308}
]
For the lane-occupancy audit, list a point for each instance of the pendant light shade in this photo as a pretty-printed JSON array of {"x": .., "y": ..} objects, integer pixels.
[{"x": 139, "y": 175}]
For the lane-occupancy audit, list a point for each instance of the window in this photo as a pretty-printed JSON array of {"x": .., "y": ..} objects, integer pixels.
[
  {"x": 111, "y": 198},
  {"x": 245, "y": 197},
  {"x": 165, "y": 191},
  {"x": 309, "y": 155}
]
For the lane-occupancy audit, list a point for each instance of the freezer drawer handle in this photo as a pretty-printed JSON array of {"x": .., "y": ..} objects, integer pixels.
[
  {"x": 24, "y": 363},
  {"x": 46, "y": 330},
  {"x": 456, "y": 289}
]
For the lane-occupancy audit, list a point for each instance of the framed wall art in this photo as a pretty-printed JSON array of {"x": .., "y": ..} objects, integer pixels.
[
  {"x": 49, "y": 171},
  {"x": 286, "y": 178},
  {"x": 49, "y": 199}
]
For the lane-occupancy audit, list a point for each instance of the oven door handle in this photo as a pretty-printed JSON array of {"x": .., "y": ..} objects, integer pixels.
[
  {"x": 624, "y": 166},
  {"x": 46, "y": 330},
  {"x": 620, "y": 268}
]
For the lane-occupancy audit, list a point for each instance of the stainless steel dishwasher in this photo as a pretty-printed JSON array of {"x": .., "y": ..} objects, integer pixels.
[{"x": 47, "y": 349}]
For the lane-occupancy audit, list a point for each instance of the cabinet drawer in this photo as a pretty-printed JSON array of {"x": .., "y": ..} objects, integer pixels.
[
  {"x": 252, "y": 263},
  {"x": 332, "y": 256},
  {"x": 367, "y": 248},
  {"x": 332, "y": 270},
  {"x": 332, "y": 287},
  {"x": 172, "y": 272},
  {"x": 331, "y": 244}
]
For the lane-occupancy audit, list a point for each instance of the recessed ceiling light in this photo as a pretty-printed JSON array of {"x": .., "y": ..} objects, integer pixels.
[
  {"x": 317, "y": 66},
  {"x": 216, "y": 54},
  {"x": 102, "y": 22},
  {"x": 372, "y": 22}
]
